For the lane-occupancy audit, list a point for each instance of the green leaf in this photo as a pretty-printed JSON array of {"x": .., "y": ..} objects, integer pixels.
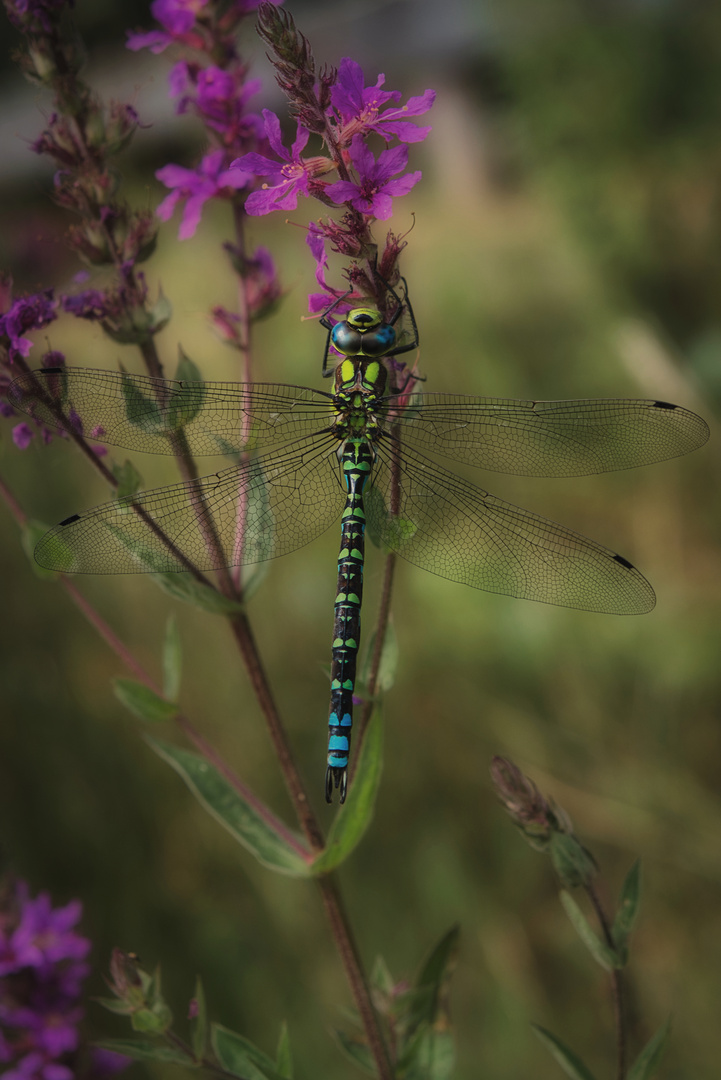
[
  {"x": 145, "y": 1050},
  {"x": 186, "y": 401},
  {"x": 190, "y": 591},
  {"x": 649, "y": 1059},
  {"x": 571, "y": 861},
  {"x": 386, "y": 531},
  {"x": 140, "y": 411},
  {"x": 240, "y": 1057},
  {"x": 129, "y": 479},
  {"x": 357, "y": 1051},
  {"x": 250, "y": 823},
  {"x": 258, "y": 537},
  {"x": 187, "y": 370},
  {"x": 431, "y": 1055},
  {"x": 32, "y": 533},
  {"x": 569, "y": 1062},
  {"x": 627, "y": 912},
  {"x": 160, "y": 313},
  {"x": 253, "y": 577},
  {"x": 199, "y": 1023},
  {"x": 427, "y": 1004},
  {"x": 283, "y": 1059},
  {"x": 143, "y": 702},
  {"x": 442, "y": 959},
  {"x": 603, "y": 954},
  {"x": 356, "y": 814},
  {"x": 388, "y": 662},
  {"x": 172, "y": 660},
  {"x": 381, "y": 977}
]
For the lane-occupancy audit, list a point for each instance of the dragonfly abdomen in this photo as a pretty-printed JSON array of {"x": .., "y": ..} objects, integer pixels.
[{"x": 356, "y": 462}]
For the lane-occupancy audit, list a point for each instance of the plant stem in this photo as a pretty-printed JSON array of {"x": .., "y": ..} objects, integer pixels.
[
  {"x": 619, "y": 1011},
  {"x": 340, "y": 928}
]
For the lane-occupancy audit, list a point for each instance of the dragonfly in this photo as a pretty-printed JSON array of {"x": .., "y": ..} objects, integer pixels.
[{"x": 304, "y": 458}]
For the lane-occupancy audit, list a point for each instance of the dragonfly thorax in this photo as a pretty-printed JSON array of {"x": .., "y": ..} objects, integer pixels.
[
  {"x": 359, "y": 379},
  {"x": 363, "y": 333}
]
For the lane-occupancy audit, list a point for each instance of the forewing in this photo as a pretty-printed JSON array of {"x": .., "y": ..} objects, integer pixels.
[
  {"x": 259, "y": 510},
  {"x": 458, "y": 531},
  {"x": 139, "y": 412},
  {"x": 550, "y": 438}
]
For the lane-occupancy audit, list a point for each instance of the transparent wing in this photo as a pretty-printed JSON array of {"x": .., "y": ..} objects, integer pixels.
[
  {"x": 458, "y": 531},
  {"x": 550, "y": 438},
  {"x": 259, "y": 510},
  {"x": 139, "y": 412}
]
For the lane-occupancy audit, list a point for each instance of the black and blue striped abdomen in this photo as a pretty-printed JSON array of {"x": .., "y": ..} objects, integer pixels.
[{"x": 356, "y": 462}]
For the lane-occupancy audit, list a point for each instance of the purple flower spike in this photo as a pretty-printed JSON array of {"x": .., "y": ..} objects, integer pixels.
[
  {"x": 358, "y": 107},
  {"x": 177, "y": 17},
  {"x": 27, "y": 313},
  {"x": 291, "y": 174},
  {"x": 373, "y": 193},
  {"x": 210, "y": 179}
]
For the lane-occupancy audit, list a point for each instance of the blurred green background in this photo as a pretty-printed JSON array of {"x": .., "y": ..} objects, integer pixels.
[{"x": 567, "y": 242}]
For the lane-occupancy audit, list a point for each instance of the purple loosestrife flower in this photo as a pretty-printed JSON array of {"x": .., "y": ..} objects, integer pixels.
[
  {"x": 218, "y": 96},
  {"x": 373, "y": 192},
  {"x": 177, "y": 17},
  {"x": 89, "y": 304},
  {"x": 195, "y": 186},
  {"x": 27, "y": 313},
  {"x": 358, "y": 107},
  {"x": 42, "y": 968},
  {"x": 291, "y": 176}
]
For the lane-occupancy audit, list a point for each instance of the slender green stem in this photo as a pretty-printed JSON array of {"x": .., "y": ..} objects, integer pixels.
[{"x": 617, "y": 988}]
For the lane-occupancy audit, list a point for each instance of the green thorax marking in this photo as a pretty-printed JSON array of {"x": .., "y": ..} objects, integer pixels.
[{"x": 359, "y": 388}]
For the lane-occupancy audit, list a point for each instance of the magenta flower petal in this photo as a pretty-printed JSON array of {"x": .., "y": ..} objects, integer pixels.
[{"x": 22, "y": 437}]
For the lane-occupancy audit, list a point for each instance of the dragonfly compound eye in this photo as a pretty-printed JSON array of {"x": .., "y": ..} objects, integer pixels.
[
  {"x": 346, "y": 340},
  {"x": 380, "y": 341}
]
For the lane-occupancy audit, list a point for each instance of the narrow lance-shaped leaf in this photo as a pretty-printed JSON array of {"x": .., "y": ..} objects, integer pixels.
[
  {"x": 186, "y": 588},
  {"x": 357, "y": 1051},
  {"x": 603, "y": 954},
  {"x": 240, "y": 1056},
  {"x": 388, "y": 662},
  {"x": 431, "y": 1055},
  {"x": 146, "y": 1050},
  {"x": 381, "y": 978},
  {"x": 172, "y": 660},
  {"x": 569, "y": 1062},
  {"x": 648, "y": 1061},
  {"x": 283, "y": 1058},
  {"x": 248, "y": 822},
  {"x": 199, "y": 1022},
  {"x": 32, "y": 533},
  {"x": 628, "y": 903},
  {"x": 186, "y": 402},
  {"x": 144, "y": 702},
  {"x": 356, "y": 814},
  {"x": 129, "y": 480}
]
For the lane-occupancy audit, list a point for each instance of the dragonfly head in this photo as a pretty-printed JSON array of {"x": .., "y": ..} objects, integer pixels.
[{"x": 363, "y": 333}]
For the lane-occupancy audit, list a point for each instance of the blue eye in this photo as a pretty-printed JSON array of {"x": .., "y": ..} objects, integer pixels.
[
  {"x": 346, "y": 340},
  {"x": 380, "y": 341}
]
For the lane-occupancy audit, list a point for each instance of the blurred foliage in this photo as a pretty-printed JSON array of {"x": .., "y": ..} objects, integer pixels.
[
  {"x": 619, "y": 108},
  {"x": 523, "y": 279}
]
